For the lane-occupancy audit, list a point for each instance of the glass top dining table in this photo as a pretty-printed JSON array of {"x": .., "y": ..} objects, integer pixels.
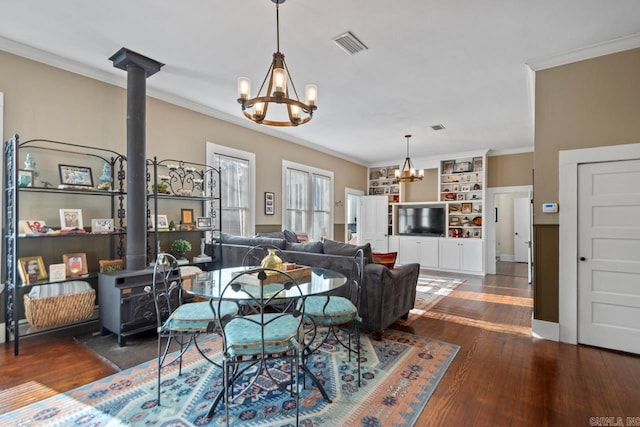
[{"x": 211, "y": 284}]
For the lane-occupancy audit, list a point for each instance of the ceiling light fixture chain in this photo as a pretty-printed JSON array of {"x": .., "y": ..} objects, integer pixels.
[
  {"x": 408, "y": 173},
  {"x": 277, "y": 91}
]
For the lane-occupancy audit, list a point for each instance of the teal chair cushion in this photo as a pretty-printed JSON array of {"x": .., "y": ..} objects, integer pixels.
[
  {"x": 282, "y": 332},
  {"x": 195, "y": 317},
  {"x": 338, "y": 311}
]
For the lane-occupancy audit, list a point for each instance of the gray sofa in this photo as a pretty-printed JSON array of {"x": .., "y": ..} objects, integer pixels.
[{"x": 387, "y": 294}]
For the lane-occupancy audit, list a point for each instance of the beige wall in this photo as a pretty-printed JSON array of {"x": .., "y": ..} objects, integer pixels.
[
  {"x": 425, "y": 190},
  {"x": 46, "y": 102},
  {"x": 586, "y": 104},
  {"x": 510, "y": 170}
]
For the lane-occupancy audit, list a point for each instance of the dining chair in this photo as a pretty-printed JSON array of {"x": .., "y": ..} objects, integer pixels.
[
  {"x": 255, "y": 345},
  {"x": 178, "y": 321},
  {"x": 336, "y": 313}
]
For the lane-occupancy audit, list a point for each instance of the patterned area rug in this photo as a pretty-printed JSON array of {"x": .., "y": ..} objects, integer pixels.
[
  {"x": 399, "y": 374},
  {"x": 429, "y": 291}
]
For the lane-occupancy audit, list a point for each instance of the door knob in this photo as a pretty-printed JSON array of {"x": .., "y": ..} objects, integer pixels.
[{"x": 582, "y": 258}]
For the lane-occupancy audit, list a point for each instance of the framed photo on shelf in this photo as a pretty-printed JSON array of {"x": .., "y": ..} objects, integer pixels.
[
  {"x": 57, "y": 272},
  {"x": 102, "y": 225},
  {"x": 75, "y": 175},
  {"x": 71, "y": 219},
  {"x": 447, "y": 167},
  {"x": 269, "y": 203},
  {"x": 477, "y": 164},
  {"x": 462, "y": 167},
  {"x": 76, "y": 264},
  {"x": 454, "y": 220},
  {"x": 456, "y": 188},
  {"x": 25, "y": 178},
  {"x": 31, "y": 269},
  {"x": 203, "y": 222},
  {"x": 459, "y": 196},
  {"x": 186, "y": 217},
  {"x": 466, "y": 208},
  {"x": 465, "y": 188},
  {"x": 163, "y": 222}
]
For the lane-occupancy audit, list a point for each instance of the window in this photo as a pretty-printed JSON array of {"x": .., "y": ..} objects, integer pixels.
[
  {"x": 307, "y": 206},
  {"x": 237, "y": 169}
]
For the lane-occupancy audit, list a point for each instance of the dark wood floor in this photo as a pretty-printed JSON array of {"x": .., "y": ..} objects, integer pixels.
[{"x": 501, "y": 375}]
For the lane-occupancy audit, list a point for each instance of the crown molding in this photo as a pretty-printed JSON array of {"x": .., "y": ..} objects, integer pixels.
[{"x": 588, "y": 52}]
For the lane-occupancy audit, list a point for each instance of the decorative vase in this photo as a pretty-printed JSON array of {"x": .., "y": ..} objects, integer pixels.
[{"x": 271, "y": 260}]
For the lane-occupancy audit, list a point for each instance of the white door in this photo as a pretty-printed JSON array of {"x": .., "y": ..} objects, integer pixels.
[
  {"x": 521, "y": 229},
  {"x": 609, "y": 255},
  {"x": 374, "y": 213}
]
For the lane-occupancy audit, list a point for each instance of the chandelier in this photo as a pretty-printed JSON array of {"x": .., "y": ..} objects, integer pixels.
[
  {"x": 408, "y": 173},
  {"x": 277, "y": 92}
]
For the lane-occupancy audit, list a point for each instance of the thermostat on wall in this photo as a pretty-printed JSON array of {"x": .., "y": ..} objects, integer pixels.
[{"x": 549, "y": 207}]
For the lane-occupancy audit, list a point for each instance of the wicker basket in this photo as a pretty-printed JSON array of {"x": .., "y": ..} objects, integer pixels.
[{"x": 45, "y": 312}]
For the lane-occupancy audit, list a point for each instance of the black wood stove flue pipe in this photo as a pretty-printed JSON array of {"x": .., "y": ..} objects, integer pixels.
[{"x": 138, "y": 68}]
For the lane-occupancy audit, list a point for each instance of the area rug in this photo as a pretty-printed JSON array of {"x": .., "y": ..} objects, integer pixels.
[
  {"x": 399, "y": 374},
  {"x": 429, "y": 291}
]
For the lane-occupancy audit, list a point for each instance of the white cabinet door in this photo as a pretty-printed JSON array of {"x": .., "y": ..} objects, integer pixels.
[
  {"x": 394, "y": 244},
  {"x": 449, "y": 254},
  {"x": 472, "y": 259},
  {"x": 428, "y": 252},
  {"x": 423, "y": 250},
  {"x": 461, "y": 254},
  {"x": 374, "y": 213}
]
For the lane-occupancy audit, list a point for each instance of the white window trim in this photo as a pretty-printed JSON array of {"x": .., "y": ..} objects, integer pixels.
[
  {"x": 311, "y": 170},
  {"x": 212, "y": 149}
]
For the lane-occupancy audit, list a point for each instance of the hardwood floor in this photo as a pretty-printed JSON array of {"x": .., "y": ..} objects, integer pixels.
[{"x": 501, "y": 375}]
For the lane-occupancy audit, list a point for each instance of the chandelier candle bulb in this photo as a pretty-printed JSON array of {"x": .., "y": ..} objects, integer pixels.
[
  {"x": 279, "y": 81},
  {"x": 244, "y": 88},
  {"x": 311, "y": 94},
  {"x": 295, "y": 112}
]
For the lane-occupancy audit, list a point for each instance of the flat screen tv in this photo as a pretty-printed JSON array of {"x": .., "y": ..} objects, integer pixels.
[{"x": 421, "y": 220}]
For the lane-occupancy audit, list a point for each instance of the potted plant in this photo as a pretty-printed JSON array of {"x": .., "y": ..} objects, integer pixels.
[{"x": 180, "y": 247}]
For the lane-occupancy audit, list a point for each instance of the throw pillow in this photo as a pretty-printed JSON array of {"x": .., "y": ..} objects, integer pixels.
[
  {"x": 388, "y": 259},
  {"x": 302, "y": 237},
  {"x": 290, "y": 236},
  {"x": 333, "y": 247}
]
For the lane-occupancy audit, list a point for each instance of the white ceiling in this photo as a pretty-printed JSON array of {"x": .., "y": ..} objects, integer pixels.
[{"x": 460, "y": 63}]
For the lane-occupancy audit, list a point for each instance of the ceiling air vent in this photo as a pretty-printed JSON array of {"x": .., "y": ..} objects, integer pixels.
[
  {"x": 349, "y": 43},
  {"x": 437, "y": 127}
]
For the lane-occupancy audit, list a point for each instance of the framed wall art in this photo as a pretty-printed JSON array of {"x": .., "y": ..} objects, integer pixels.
[
  {"x": 57, "y": 272},
  {"x": 269, "y": 203},
  {"x": 71, "y": 219},
  {"x": 186, "y": 216},
  {"x": 76, "y": 264},
  {"x": 466, "y": 208},
  {"x": 31, "y": 269},
  {"x": 75, "y": 175},
  {"x": 163, "y": 222}
]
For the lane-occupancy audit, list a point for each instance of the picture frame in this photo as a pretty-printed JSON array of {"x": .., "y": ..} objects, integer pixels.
[
  {"x": 102, "y": 225},
  {"x": 71, "y": 219},
  {"x": 186, "y": 216},
  {"x": 477, "y": 164},
  {"x": 25, "y": 178},
  {"x": 447, "y": 167},
  {"x": 32, "y": 269},
  {"x": 203, "y": 222},
  {"x": 76, "y": 264},
  {"x": 467, "y": 208},
  {"x": 107, "y": 265},
  {"x": 462, "y": 167},
  {"x": 269, "y": 203},
  {"x": 465, "y": 188},
  {"x": 459, "y": 196},
  {"x": 163, "y": 222},
  {"x": 454, "y": 220},
  {"x": 456, "y": 188},
  {"x": 75, "y": 175},
  {"x": 57, "y": 272}
]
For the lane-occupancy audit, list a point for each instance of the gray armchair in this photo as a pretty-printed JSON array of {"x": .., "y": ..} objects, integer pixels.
[{"x": 387, "y": 295}]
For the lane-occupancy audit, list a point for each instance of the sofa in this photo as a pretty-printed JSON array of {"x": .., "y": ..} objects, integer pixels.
[{"x": 386, "y": 294}]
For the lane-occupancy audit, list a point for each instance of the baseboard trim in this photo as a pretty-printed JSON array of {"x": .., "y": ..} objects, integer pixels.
[
  {"x": 545, "y": 330},
  {"x": 508, "y": 258}
]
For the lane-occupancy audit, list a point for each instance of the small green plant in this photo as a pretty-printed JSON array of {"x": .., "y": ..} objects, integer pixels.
[
  {"x": 180, "y": 247},
  {"x": 172, "y": 225}
]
